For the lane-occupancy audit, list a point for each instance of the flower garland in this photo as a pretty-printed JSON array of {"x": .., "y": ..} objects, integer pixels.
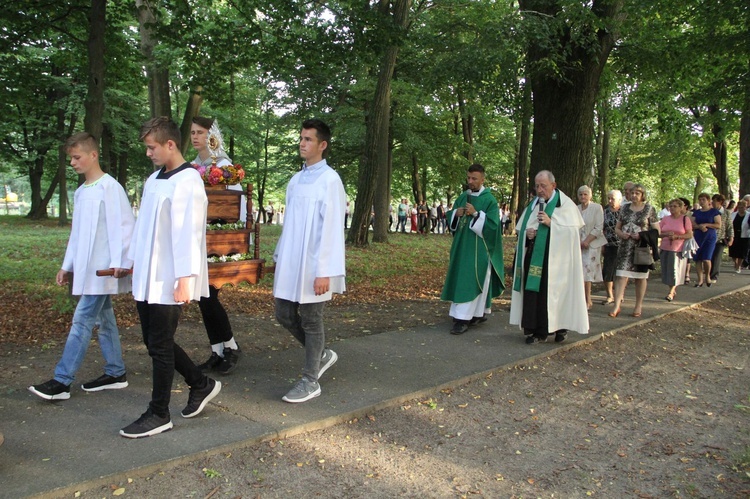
[
  {"x": 237, "y": 257},
  {"x": 220, "y": 175},
  {"x": 234, "y": 226}
]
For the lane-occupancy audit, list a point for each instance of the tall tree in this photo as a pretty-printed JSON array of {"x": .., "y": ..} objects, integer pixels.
[
  {"x": 569, "y": 44},
  {"x": 94, "y": 102},
  {"x": 374, "y": 166},
  {"x": 157, "y": 70}
]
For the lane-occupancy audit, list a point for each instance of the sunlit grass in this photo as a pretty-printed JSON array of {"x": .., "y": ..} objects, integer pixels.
[{"x": 31, "y": 253}]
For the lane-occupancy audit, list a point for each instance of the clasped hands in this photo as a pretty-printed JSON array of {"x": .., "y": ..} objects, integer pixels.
[{"x": 467, "y": 210}]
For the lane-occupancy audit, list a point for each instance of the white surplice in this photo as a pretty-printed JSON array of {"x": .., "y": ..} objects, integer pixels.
[
  {"x": 169, "y": 241},
  {"x": 312, "y": 240},
  {"x": 100, "y": 237},
  {"x": 566, "y": 299}
]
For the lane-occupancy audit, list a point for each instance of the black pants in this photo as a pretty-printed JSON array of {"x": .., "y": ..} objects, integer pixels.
[
  {"x": 159, "y": 324},
  {"x": 215, "y": 317},
  {"x": 716, "y": 259},
  {"x": 535, "y": 318}
]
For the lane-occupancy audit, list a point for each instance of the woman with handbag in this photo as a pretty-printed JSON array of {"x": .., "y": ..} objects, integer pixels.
[
  {"x": 635, "y": 217},
  {"x": 592, "y": 239},
  {"x": 705, "y": 220},
  {"x": 676, "y": 228}
]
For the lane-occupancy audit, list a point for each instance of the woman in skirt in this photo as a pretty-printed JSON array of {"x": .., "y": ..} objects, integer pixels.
[{"x": 676, "y": 228}]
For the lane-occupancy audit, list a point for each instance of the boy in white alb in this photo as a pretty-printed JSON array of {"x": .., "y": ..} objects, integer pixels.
[
  {"x": 169, "y": 268},
  {"x": 99, "y": 239},
  {"x": 310, "y": 256}
]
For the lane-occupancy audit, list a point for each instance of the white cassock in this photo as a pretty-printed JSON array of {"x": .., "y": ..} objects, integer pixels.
[
  {"x": 312, "y": 240},
  {"x": 566, "y": 299},
  {"x": 170, "y": 237},
  {"x": 100, "y": 237}
]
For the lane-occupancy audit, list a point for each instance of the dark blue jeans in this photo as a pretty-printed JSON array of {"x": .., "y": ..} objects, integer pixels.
[
  {"x": 401, "y": 223},
  {"x": 159, "y": 324}
]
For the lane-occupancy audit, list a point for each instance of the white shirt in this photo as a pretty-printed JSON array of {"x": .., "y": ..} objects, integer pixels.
[
  {"x": 312, "y": 240},
  {"x": 100, "y": 238}
]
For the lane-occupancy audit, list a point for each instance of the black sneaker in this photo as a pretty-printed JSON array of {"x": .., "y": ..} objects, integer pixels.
[
  {"x": 460, "y": 327},
  {"x": 536, "y": 338},
  {"x": 105, "y": 382},
  {"x": 229, "y": 362},
  {"x": 213, "y": 361},
  {"x": 560, "y": 336},
  {"x": 199, "y": 397},
  {"x": 51, "y": 390},
  {"x": 147, "y": 425}
]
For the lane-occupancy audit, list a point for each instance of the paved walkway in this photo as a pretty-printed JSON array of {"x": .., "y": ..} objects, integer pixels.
[{"x": 54, "y": 449}]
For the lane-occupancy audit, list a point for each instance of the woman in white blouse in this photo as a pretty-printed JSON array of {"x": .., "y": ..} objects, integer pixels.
[{"x": 592, "y": 239}]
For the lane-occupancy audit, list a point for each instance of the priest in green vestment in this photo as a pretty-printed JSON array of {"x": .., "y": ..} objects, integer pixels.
[
  {"x": 475, "y": 272},
  {"x": 548, "y": 293}
]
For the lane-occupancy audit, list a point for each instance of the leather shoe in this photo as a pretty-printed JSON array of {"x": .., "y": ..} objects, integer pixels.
[
  {"x": 477, "y": 320},
  {"x": 459, "y": 327}
]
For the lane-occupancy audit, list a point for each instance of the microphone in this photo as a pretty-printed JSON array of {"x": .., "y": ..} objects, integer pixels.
[{"x": 540, "y": 203}]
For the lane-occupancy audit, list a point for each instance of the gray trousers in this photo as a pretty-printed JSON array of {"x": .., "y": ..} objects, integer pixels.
[{"x": 305, "y": 322}]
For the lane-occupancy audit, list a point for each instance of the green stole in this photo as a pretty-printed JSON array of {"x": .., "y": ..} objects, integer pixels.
[{"x": 537, "y": 256}]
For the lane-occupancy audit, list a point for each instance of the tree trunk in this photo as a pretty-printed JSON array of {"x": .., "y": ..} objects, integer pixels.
[
  {"x": 415, "y": 184},
  {"x": 158, "y": 75},
  {"x": 745, "y": 148},
  {"x": 122, "y": 169},
  {"x": 467, "y": 128},
  {"x": 698, "y": 188},
  {"x": 107, "y": 158},
  {"x": 604, "y": 153},
  {"x": 375, "y": 160},
  {"x": 62, "y": 163},
  {"x": 382, "y": 202},
  {"x": 192, "y": 109},
  {"x": 36, "y": 171},
  {"x": 521, "y": 171},
  {"x": 719, "y": 149},
  {"x": 564, "y": 100},
  {"x": 94, "y": 102}
]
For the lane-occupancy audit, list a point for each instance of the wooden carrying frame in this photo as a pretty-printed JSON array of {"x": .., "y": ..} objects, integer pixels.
[{"x": 225, "y": 205}]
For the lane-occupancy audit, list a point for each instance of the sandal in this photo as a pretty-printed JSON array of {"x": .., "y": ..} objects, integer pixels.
[{"x": 607, "y": 302}]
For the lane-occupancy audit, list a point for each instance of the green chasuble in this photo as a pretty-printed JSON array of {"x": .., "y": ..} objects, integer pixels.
[{"x": 470, "y": 253}]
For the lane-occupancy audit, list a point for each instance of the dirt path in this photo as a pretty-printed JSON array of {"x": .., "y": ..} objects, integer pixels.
[{"x": 661, "y": 410}]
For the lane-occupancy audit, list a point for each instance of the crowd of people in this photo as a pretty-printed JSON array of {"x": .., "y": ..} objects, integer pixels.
[
  {"x": 636, "y": 236},
  {"x": 562, "y": 249}
]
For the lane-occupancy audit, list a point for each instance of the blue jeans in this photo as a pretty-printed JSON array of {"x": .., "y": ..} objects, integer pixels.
[
  {"x": 91, "y": 309},
  {"x": 305, "y": 322},
  {"x": 401, "y": 223}
]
